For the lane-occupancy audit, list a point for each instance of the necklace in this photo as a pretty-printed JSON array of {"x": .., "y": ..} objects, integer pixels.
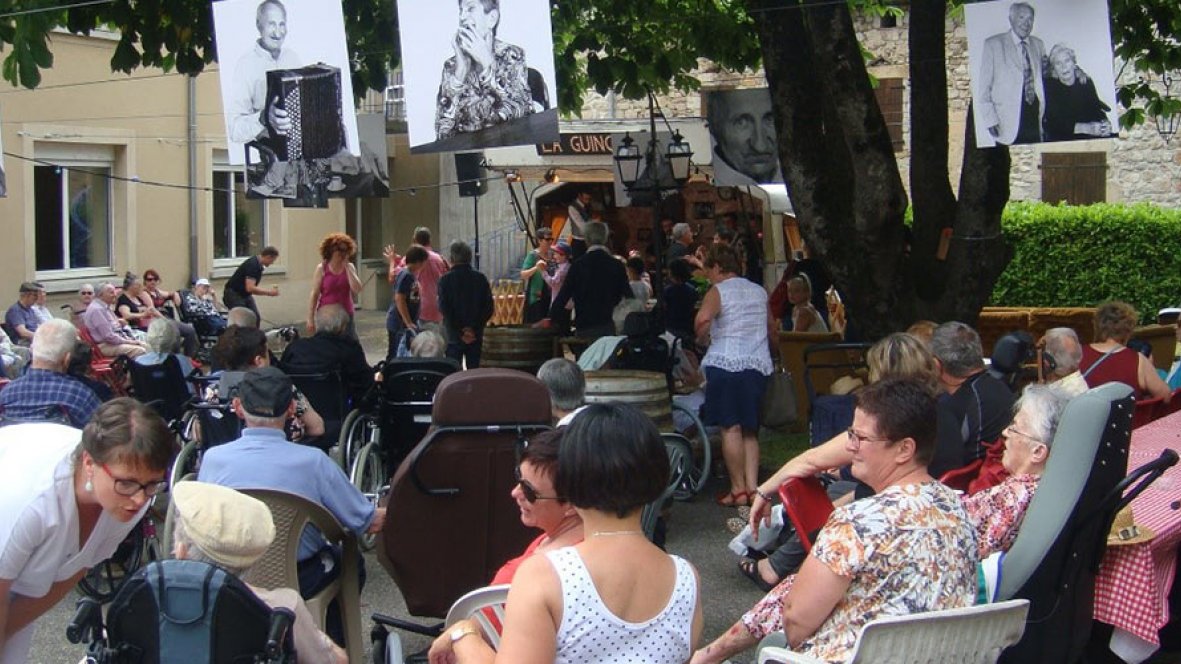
[{"x": 610, "y": 533}]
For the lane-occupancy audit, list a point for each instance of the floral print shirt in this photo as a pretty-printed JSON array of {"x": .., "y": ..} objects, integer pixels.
[
  {"x": 908, "y": 549},
  {"x": 997, "y": 512}
]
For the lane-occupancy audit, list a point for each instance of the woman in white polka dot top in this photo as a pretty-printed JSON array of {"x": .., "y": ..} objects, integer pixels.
[{"x": 614, "y": 598}]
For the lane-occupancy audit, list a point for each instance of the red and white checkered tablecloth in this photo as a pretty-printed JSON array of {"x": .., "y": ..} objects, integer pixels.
[{"x": 1132, "y": 588}]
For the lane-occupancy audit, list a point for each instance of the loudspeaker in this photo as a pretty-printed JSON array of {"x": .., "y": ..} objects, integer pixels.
[{"x": 470, "y": 174}]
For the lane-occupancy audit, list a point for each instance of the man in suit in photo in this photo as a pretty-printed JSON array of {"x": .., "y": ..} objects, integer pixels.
[{"x": 1009, "y": 94}]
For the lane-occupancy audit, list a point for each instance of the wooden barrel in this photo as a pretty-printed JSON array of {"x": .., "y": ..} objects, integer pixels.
[
  {"x": 646, "y": 390},
  {"x": 518, "y": 347}
]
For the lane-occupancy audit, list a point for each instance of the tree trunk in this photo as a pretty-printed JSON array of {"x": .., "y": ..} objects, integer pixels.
[
  {"x": 843, "y": 176},
  {"x": 838, "y": 160}
]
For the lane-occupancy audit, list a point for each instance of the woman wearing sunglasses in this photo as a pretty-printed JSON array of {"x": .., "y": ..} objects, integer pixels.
[
  {"x": 539, "y": 503},
  {"x": 615, "y": 597},
  {"x": 67, "y": 499}
]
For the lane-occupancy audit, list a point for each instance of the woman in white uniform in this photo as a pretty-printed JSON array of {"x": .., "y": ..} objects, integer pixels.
[{"x": 67, "y": 499}]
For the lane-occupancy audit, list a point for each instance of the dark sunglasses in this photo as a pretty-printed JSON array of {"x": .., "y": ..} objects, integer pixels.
[{"x": 528, "y": 490}]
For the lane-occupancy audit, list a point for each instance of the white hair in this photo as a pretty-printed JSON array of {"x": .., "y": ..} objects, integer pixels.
[
  {"x": 163, "y": 336},
  {"x": 428, "y": 343},
  {"x": 53, "y": 340}
]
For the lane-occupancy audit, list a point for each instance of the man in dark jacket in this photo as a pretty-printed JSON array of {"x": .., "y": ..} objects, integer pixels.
[
  {"x": 331, "y": 349},
  {"x": 596, "y": 282},
  {"x": 465, "y": 300}
]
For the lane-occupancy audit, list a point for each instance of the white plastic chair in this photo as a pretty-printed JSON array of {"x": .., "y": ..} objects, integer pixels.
[
  {"x": 475, "y": 605},
  {"x": 972, "y": 635}
]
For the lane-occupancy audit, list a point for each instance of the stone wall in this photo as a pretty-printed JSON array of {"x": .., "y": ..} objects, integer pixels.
[{"x": 1141, "y": 166}]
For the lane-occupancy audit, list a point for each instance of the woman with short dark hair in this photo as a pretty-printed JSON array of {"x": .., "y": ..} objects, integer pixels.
[
  {"x": 69, "y": 498},
  {"x": 615, "y": 597},
  {"x": 1109, "y": 360}
]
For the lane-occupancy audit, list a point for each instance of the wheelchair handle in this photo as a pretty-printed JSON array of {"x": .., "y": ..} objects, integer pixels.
[
  {"x": 281, "y": 621},
  {"x": 87, "y": 621}
]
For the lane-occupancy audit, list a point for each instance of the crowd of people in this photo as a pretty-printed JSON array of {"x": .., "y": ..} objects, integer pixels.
[{"x": 590, "y": 586}]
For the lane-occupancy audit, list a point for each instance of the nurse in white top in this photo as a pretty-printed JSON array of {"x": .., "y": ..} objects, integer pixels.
[
  {"x": 615, "y": 597},
  {"x": 67, "y": 499}
]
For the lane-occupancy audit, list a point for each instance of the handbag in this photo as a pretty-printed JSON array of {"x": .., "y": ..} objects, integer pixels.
[{"x": 779, "y": 400}]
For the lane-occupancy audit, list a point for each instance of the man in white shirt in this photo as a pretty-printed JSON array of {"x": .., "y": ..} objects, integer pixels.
[{"x": 251, "y": 114}]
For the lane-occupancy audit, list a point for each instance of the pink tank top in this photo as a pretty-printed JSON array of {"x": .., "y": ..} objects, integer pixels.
[{"x": 334, "y": 289}]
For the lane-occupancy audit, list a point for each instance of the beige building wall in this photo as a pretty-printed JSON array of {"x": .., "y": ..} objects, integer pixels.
[{"x": 82, "y": 113}]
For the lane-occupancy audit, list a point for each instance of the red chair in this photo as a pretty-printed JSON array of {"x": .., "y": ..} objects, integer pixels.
[
  {"x": 104, "y": 368},
  {"x": 960, "y": 478},
  {"x": 1147, "y": 410},
  {"x": 807, "y": 506},
  {"x": 1174, "y": 404}
]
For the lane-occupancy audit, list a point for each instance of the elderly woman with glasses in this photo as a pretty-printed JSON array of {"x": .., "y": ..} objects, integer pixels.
[
  {"x": 539, "y": 503},
  {"x": 67, "y": 499},
  {"x": 909, "y": 548}
]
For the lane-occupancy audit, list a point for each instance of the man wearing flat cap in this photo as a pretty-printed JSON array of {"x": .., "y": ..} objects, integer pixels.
[
  {"x": 220, "y": 526},
  {"x": 263, "y": 459}
]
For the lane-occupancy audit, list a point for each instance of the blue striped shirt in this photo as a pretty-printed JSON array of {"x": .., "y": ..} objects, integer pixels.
[{"x": 32, "y": 395}]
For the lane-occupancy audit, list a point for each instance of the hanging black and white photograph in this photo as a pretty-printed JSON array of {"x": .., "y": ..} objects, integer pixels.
[
  {"x": 742, "y": 137},
  {"x": 287, "y": 94},
  {"x": 478, "y": 73},
  {"x": 3, "y": 176},
  {"x": 1041, "y": 71},
  {"x": 367, "y": 175}
]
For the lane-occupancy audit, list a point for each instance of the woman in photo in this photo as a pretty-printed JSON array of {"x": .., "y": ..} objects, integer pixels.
[{"x": 1073, "y": 108}]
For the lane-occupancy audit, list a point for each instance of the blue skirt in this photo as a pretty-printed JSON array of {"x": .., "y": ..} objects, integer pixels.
[{"x": 734, "y": 398}]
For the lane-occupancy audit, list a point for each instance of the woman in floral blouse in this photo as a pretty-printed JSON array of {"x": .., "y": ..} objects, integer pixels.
[{"x": 906, "y": 549}]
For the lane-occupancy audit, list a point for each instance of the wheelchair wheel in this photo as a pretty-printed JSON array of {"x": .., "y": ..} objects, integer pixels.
[
  {"x": 103, "y": 581},
  {"x": 185, "y": 463},
  {"x": 368, "y": 475},
  {"x": 358, "y": 429},
  {"x": 697, "y": 473}
]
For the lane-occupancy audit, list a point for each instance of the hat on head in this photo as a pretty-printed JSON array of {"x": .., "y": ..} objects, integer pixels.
[
  {"x": 265, "y": 392},
  {"x": 231, "y": 528},
  {"x": 31, "y": 287},
  {"x": 202, "y": 282},
  {"x": 1125, "y": 531},
  {"x": 562, "y": 248}
]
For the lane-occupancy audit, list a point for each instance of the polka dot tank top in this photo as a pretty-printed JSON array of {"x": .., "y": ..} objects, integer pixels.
[{"x": 591, "y": 634}]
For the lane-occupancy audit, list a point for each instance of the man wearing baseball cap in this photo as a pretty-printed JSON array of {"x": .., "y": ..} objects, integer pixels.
[
  {"x": 264, "y": 459},
  {"x": 220, "y": 526}
]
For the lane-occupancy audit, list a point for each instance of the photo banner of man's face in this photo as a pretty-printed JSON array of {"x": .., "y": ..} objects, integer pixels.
[
  {"x": 742, "y": 136},
  {"x": 478, "y": 73},
  {"x": 1041, "y": 71},
  {"x": 286, "y": 89}
]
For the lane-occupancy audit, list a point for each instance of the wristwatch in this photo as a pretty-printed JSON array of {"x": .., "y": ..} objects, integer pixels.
[{"x": 460, "y": 632}]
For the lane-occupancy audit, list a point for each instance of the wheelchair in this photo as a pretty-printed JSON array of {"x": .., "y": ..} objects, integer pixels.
[
  {"x": 183, "y": 610},
  {"x": 207, "y": 333}
]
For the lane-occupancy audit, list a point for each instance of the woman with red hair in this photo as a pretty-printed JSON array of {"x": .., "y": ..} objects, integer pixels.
[{"x": 335, "y": 280}]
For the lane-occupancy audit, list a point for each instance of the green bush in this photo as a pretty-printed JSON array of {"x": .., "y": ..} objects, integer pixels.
[{"x": 1079, "y": 256}]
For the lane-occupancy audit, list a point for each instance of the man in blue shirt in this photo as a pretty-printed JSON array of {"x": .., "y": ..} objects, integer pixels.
[
  {"x": 45, "y": 392},
  {"x": 20, "y": 317},
  {"x": 264, "y": 459}
]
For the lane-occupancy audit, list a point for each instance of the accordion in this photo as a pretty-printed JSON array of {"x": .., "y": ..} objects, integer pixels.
[{"x": 312, "y": 98}]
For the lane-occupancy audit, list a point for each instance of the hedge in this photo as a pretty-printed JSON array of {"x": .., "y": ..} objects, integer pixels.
[{"x": 1078, "y": 256}]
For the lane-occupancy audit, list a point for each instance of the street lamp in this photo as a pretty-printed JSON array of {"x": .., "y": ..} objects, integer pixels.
[{"x": 627, "y": 161}]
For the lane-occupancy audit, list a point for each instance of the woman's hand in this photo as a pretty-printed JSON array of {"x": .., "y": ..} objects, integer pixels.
[
  {"x": 760, "y": 512},
  {"x": 442, "y": 651}
]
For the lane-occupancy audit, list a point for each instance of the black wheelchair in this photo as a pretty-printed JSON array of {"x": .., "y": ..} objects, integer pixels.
[{"x": 183, "y": 610}]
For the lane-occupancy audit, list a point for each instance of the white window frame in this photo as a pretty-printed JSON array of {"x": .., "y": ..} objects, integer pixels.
[
  {"x": 395, "y": 96},
  {"x": 233, "y": 261},
  {"x": 87, "y": 272}
]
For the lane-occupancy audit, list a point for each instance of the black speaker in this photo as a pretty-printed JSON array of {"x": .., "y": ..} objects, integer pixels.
[{"x": 470, "y": 174}]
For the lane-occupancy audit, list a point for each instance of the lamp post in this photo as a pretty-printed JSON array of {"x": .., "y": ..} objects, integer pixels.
[{"x": 627, "y": 161}]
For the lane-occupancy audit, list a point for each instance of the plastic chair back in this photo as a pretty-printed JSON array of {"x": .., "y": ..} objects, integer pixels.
[
  {"x": 970, "y": 635},
  {"x": 450, "y": 522},
  {"x": 1147, "y": 410},
  {"x": 278, "y": 567},
  {"x": 1052, "y": 562},
  {"x": 807, "y": 506},
  {"x": 483, "y": 605}
]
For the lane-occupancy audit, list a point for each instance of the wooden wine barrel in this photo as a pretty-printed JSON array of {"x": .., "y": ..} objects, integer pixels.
[
  {"x": 517, "y": 347},
  {"x": 646, "y": 390}
]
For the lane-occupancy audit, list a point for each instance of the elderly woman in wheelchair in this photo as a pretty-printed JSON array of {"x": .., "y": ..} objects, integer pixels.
[
  {"x": 615, "y": 596},
  {"x": 878, "y": 556},
  {"x": 231, "y": 530}
]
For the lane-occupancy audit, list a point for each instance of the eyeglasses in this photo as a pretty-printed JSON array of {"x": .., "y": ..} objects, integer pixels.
[
  {"x": 129, "y": 488},
  {"x": 151, "y": 278},
  {"x": 528, "y": 490},
  {"x": 1012, "y": 429},
  {"x": 857, "y": 439},
  {"x": 86, "y": 292}
]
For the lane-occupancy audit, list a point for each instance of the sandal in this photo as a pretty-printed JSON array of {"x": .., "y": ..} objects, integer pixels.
[
  {"x": 750, "y": 569},
  {"x": 736, "y": 499}
]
